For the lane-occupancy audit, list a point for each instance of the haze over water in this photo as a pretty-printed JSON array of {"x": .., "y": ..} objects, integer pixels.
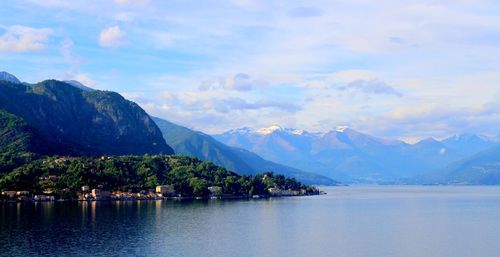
[{"x": 349, "y": 221}]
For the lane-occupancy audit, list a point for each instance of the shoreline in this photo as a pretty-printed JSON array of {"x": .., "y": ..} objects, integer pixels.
[{"x": 177, "y": 198}]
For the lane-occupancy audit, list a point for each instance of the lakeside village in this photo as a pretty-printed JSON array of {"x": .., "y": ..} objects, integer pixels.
[
  {"x": 139, "y": 178},
  {"x": 161, "y": 192}
]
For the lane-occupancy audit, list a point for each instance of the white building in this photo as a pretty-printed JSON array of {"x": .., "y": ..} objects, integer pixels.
[{"x": 165, "y": 190}]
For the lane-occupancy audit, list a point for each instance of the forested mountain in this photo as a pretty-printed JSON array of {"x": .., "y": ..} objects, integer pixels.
[{"x": 71, "y": 121}]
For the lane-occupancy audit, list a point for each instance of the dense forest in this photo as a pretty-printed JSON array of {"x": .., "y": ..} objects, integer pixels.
[{"x": 64, "y": 176}]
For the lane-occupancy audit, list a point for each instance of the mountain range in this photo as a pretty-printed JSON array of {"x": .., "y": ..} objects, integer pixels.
[
  {"x": 351, "y": 156},
  {"x": 482, "y": 168},
  {"x": 68, "y": 118}
]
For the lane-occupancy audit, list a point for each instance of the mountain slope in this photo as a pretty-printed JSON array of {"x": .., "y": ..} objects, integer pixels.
[
  {"x": 5, "y": 76},
  {"x": 18, "y": 141},
  {"x": 259, "y": 165},
  {"x": 468, "y": 144},
  {"x": 200, "y": 145},
  {"x": 426, "y": 155},
  {"x": 78, "y": 85},
  {"x": 344, "y": 153},
  {"x": 15, "y": 134},
  {"x": 76, "y": 122},
  {"x": 479, "y": 169}
]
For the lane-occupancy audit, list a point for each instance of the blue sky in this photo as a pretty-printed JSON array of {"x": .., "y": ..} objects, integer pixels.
[{"x": 399, "y": 69}]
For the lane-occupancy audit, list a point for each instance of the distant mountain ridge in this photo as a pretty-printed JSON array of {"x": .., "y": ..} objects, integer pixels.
[
  {"x": 197, "y": 144},
  {"x": 69, "y": 118},
  {"x": 482, "y": 168},
  {"x": 348, "y": 155},
  {"x": 78, "y": 85},
  {"x": 468, "y": 144},
  {"x": 5, "y": 76}
]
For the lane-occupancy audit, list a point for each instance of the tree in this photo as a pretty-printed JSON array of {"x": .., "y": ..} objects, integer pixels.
[{"x": 200, "y": 186}]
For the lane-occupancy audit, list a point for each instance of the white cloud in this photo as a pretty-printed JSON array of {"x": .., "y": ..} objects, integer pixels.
[
  {"x": 112, "y": 37},
  {"x": 132, "y": 2},
  {"x": 163, "y": 40},
  {"x": 125, "y": 16},
  {"x": 239, "y": 82},
  {"x": 66, "y": 50},
  {"x": 374, "y": 86},
  {"x": 305, "y": 12},
  {"x": 84, "y": 79},
  {"x": 19, "y": 38},
  {"x": 239, "y": 104},
  {"x": 73, "y": 71},
  {"x": 250, "y": 4},
  {"x": 432, "y": 120},
  {"x": 55, "y": 3},
  {"x": 430, "y": 51},
  {"x": 346, "y": 76}
]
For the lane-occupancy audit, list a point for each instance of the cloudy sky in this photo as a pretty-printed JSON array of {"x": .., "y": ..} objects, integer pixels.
[{"x": 399, "y": 69}]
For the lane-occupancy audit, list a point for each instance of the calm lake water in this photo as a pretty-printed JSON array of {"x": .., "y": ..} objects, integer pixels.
[{"x": 353, "y": 221}]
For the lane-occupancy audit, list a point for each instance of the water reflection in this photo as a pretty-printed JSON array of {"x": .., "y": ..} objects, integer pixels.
[{"x": 351, "y": 221}]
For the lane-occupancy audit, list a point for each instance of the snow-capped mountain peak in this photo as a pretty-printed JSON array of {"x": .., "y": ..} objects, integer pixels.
[
  {"x": 468, "y": 137},
  {"x": 341, "y": 128},
  {"x": 468, "y": 143},
  {"x": 269, "y": 130},
  {"x": 298, "y": 132}
]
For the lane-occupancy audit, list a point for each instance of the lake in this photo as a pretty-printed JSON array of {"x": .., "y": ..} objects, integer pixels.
[{"x": 357, "y": 221}]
